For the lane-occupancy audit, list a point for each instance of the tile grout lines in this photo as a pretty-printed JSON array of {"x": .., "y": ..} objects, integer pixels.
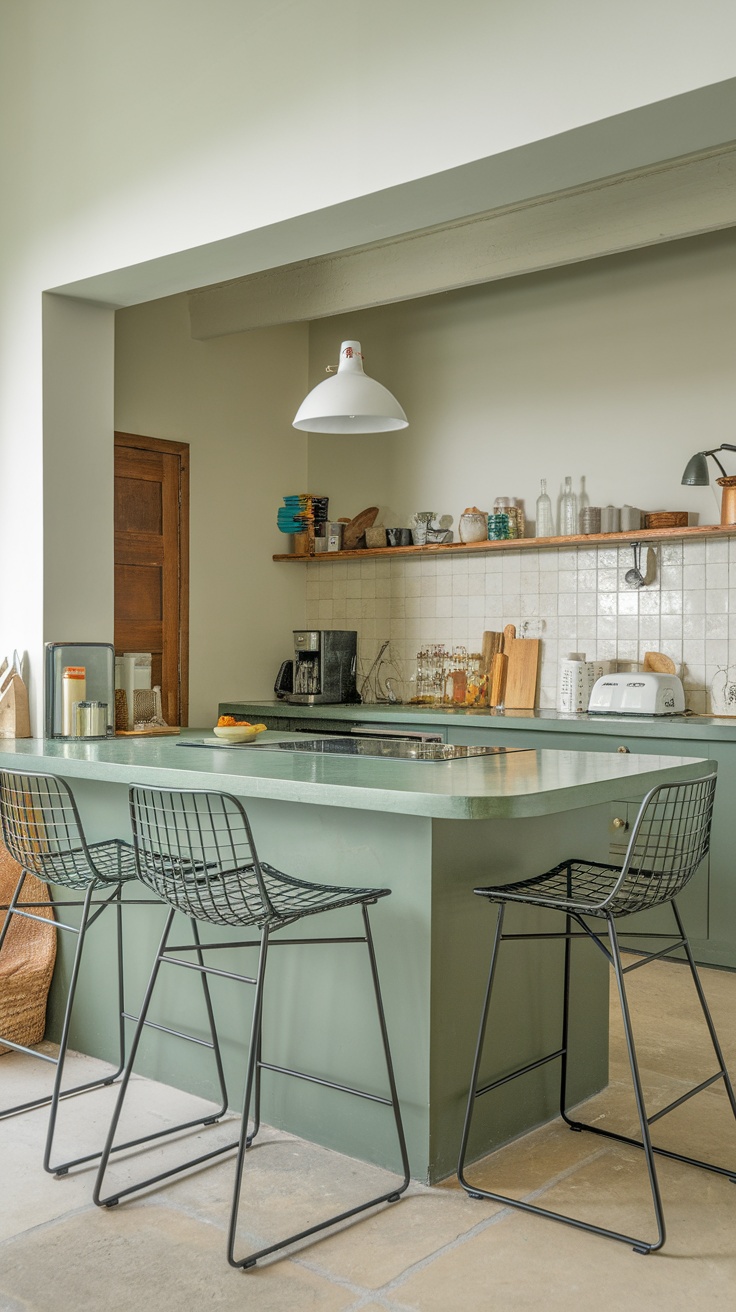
[{"x": 382, "y": 1295}]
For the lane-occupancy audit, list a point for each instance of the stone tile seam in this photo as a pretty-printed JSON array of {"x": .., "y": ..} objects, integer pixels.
[{"x": 382, "y": 1295}]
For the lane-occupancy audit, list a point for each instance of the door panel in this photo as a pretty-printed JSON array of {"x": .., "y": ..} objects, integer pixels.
[{"x": 151, "y": 561}]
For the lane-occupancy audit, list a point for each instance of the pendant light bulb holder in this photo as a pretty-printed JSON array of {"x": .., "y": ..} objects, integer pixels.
[{"x": 349, "y": 401}]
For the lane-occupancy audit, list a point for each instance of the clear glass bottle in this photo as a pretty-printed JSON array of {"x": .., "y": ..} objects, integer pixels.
[
  {"x": 568, "y": 511},
  {"x": 545, "y": 526}
]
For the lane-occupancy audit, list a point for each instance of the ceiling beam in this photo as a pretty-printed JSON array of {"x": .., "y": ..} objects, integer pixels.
[{"x": 678, "y": 199}]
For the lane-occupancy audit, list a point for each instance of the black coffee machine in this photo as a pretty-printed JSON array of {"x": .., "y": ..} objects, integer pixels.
[{"x": 323, "y": 669}]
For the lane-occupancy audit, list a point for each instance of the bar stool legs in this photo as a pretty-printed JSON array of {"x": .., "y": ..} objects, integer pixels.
[
  {"x": 210, "y": 1118},
  {"x": 613, "y": 955},
  {"x": 90, "y": 913},
  {"x": 251, "y": 1094},
  {"x": 721, "y": 1073},
  {"x": 255, "y": 1065}
]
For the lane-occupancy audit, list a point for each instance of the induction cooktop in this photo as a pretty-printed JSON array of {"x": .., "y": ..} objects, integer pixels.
[{"x": 390, "y": 749}]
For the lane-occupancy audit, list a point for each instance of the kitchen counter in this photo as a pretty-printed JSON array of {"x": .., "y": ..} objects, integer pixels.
[
  {"x": 527, "y": 783},
  {"x": 429, "y": 832},
  {"x": 685, "y": 727}
]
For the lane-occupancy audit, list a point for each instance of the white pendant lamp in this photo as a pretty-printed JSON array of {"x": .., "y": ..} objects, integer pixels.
[{"x": 348, "y": 402}]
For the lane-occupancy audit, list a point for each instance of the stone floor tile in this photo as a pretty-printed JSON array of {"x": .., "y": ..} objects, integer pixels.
[
  {"x": 153, "y": 1257},
  {"x": 522, "y": 1262},
  {"x": 393, "y": 1239},
  {"x": 435, "y": 1249}
]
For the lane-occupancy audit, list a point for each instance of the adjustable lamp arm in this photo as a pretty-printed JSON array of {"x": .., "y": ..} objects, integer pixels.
[{"x": 726, "y": 446}]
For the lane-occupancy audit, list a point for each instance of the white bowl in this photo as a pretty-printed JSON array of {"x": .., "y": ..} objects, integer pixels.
[{"x": 236, "y": 733}]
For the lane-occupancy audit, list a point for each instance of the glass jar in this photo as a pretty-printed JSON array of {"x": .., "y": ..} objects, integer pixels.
[
  {"x": 498, "y": 527},
  {"x": 476, "y": 691}
]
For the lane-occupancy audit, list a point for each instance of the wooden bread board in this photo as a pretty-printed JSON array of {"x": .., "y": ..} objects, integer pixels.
[
  {"x": 156, "y": 732},
  {"x": 521, "y": 679},
  {"x": 355, "y": 530},
  {"x": 657, "y": 661}
]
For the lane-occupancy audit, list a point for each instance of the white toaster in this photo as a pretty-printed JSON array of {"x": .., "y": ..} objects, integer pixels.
[{"x": 637, "y": 694}]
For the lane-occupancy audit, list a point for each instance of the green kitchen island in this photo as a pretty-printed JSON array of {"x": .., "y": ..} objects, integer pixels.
[{"x": 428, "y": 831}]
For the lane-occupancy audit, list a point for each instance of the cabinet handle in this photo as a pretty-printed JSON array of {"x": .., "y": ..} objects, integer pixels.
[
  {"x": 619, "y": 822},
  {"x": 622, "y": 749}
]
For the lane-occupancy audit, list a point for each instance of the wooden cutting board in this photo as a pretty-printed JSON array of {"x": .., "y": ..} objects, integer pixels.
[
  {"x": 492, "y": 643},
  {"x": 158, "y": 731},
  {"x": 499, "y": 669},
  {"x": 523, "y": 671},
  {"x": 355, "y": 530}
]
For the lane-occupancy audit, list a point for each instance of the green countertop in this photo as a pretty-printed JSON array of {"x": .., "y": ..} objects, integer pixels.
[
  {"x": 529, "y": 783},
  {"x": 694, "y": 727}
]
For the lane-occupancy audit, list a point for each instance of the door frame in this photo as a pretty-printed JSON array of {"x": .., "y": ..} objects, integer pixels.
[{"x": 180, "y": 449}]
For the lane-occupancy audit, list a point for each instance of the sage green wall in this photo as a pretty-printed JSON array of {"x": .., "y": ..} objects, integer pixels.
[
  {"x": 232, "y": 399},
  {"x": 615, "y": 372}
]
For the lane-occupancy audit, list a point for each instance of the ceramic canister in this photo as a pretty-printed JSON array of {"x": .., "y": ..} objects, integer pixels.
[{"x": 574, "y": 686}]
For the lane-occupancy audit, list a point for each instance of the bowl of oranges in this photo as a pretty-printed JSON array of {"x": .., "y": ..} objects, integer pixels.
[{"x": 233, "y": 730}]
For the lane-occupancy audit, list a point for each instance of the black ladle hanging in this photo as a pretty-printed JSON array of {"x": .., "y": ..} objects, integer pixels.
[{"x": 634, "y": 577}]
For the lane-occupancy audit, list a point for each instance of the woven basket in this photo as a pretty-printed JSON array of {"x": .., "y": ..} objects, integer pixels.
[
  {"x": 666, "y": 519},
  {"x": 26, "y": 961}
]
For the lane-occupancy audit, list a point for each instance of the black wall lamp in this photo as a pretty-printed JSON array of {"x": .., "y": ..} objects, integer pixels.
[{"x": 697, "y": 474}]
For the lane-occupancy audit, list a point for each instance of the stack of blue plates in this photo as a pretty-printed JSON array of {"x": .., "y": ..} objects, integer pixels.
[{"x": 301, "y": 512}]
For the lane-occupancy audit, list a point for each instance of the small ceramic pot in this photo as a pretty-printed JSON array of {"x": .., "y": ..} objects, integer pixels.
[{"x": 473, "y": 527}]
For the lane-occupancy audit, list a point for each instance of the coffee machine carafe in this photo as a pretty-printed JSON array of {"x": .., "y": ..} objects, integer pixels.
[{"x": 324, "y": 666}]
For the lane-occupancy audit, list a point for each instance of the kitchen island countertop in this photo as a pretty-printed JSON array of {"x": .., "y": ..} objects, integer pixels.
[{"x": 524, "y": 783}]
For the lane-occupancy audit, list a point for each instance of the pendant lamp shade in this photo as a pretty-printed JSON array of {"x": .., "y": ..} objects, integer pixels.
[{"x": 349, "y": 402}]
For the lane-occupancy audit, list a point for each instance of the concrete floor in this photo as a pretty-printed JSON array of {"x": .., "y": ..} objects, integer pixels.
[{"x": 436, "y": 1249}]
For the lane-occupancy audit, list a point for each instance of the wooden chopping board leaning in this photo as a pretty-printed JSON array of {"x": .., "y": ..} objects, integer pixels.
[{"x": 523, "y": 670}]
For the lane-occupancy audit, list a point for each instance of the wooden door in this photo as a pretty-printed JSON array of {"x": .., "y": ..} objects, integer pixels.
[{"x": 152, "y": 562}]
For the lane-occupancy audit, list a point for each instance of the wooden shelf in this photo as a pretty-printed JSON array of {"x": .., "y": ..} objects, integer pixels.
[{"x": 524, "y": 544}]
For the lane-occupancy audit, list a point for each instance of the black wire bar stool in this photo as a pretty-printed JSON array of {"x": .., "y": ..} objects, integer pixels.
[
  {"x": 669, "y": 839},
  {"x": 195, "y": 849},
  {"x": 43, "y": 832}
]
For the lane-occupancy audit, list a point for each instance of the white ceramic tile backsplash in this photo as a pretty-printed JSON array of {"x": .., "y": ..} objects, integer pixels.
[{"x": 573, "y": 599}]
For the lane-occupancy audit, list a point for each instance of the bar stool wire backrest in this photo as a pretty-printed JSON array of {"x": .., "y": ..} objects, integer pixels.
[
  {"x": 196, "y": 851},
  {"x": 43, "y": 832},
  {"x": 186, "y": 842},
  {"x": 670, "y": 838}
]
